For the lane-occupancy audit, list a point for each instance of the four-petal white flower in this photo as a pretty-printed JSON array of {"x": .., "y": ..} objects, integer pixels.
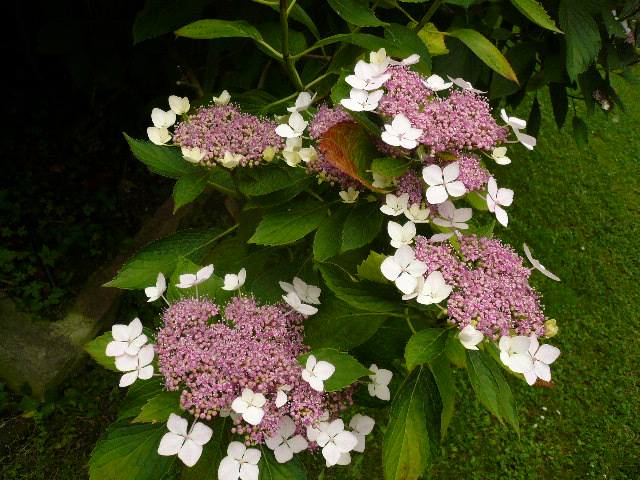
[
  {"x": 136, "y": 366},
  {"x": 443, "y": 182},
  {"x": 294, "y": 128},
  {"x": 284, "y": 444},
  {"x": 189, "y": 280},
  {"x": 380, "y": 181},
  {"x": 437, "y": 83},
  {"x": 542, "y": 356},
  {"x": 307, "y": 293},
  {"x": 538, "y": 266},
  {"x": 434, "y": 289},
  {"x": 230, "y": 160},
  {"x": 223, "y": 99},
  {"x": 499, "y": 154},
  {"x": 368, "y": 76},
  {"x": 335, "y": 441},
  {"x": 240, "y": 463},
  {"x": 179, "y": 105},
  {"x": 514, "y": 353},
  {"x": 162, "y": 119},
  {"x": 233, "y": 281},
  {"x": 293, "y": 300},
  {"x": 127, "y": 339},
  {"x": 193, "y": 155},
  {"x": 518, "y": 124},
  {"x": 187, "y": 445},
  {"x": 362, "y": 100},
  {"x": 470, "y": 337},
  {"x": 361, "y": 425},
  {"x": 156, "y": 292},
  {"x": 417, "y": 214},
  {"x": 400, "y": 133},
  {"x": 404, "y": 269},
  {"x": 158, "y": 135},
  {"x": 395, "y": 205},
  {"x": 401, "y": 234},
  {"x": 379, "y": 386},
  {"x": 497, "y": 198},
  {"x": 349, "y": 196},
  {"x": 316, "y": 372},
  {"x": 303, "y": 101},
  {"x": 464, "y": 84},
  {"x": 249, "y": 405},
  {"x": 452, "y": 217}
]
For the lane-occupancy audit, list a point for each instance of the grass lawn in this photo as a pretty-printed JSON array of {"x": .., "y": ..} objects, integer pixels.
[{"x": 578, "y": 211}]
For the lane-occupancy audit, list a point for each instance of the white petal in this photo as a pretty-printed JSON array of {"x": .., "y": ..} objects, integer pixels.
[
  {"x": 239, "y": 405},
  {"x": 229, "y": 468},
  {"x": 204, "y": 273},
  {"x": 274, "y": 442},
  {"x": 383, "y": 376},
  {"x": 520, "y": 362},
  {"x": 505, "y": 197},
  {"x": 543, "y": 371},
  {"x": 345, "y": 441},
  {"x": 527, "y": 140},
  {"x": 298, "y": 444},
  {"x": 145, "y": 373},
  {"x": 417, "y": 268},
  {"x": 547, "y": 354},
  {"x": 249, "y": 471},
  {"x": 456, "y": 189},
  {"x": 170, "y": 444},
  {"x": 283, "y": 453},
  {"x": 530, "y": 376},
  {"x": 236, "y": 450},
  {"x": 281, "y": 398},
  {"x": 390, "y": 269},
  {"x": 115, "y": 349},
  {"x": 286, "y": 131},
  {"x": 323, "y": 370},
  {"x": 252, "y": 455},
  {"x": 253, "y": 415},
  {"x": 502, "y": 216},
  {"x": 352, "y": 105},
  {"x": 190, "y": 453},
  {"x": 200, "y": 433},
  {"x": 520, "y": 344},
  {"x": 437, "y": 194},
  {"x": 178, "y": 425},
  {"x": 390, "y": 139},
  {"x": 311, "y": 362},
  {"x": 331, "y": 453},
  {"x": 128, "y": 378},
  {"x": 126, "y": 363},
  {"x": 362, "y": 424},
  {"x": 307, "y": 310},
  {"x": 406, "y": 283},
  {"x": 145, "y": 356},
  {"x": 315, "y": 383},
  {"x": 120, "y": 333},
  {"x": 432, "y": 175}
]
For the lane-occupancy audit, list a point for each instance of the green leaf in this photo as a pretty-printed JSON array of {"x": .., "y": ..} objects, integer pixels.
[
  {"x": 486, "y": 231},
  {"x": 339, "y": 325},
  {"x": 162, "y": 255},
  {"x": 348, "y": 369},
  {"x": 364, "y": 40},
  {"x": 160, "y": 407},
  {"x": 535, "y": 119},
  {"x": 425, "y": 346},
  {"x": 188, "y": 188},
  {"x": 476, "y": 201},
  {"x": 255, "y": 101},
  {"x": 361, "y": 226},
  {"x": 433, "y": 39},
  {"x": 580, "y": 133},
  {"x": 455, "y": 351},
  {"x": 213, "y": 453},
  {"x": 261, "y": 181},
  {"x": 163, "y": 160},
  {"x": 138, "y": 395},
  {"x": 328, "y": 239},
  {"x": 207, "y": 29},
  {"x": 163, "y": 16},
  {"x": 387, "y": 344},
  {"x": 486, "y": 51},
  {"x": 279, "y": 196},
  {"x": 272, "y": 34},
  {"x": 412, "y": 439},
  {"x": 266, "y": 287},
  {"x": 369, "y": 269},
  {"x": 443, "y": 375},
  {"x": 288, "y": 225},
  {"x": 491, "y": 388},
  {"x": 211, "y": 288},
  {"x": 559, "y": 103},
  {"x": 410, "y": 43},
  {"x": 536, "y": 13},
  {"x": 355, "y": 12},
  {"x": 271, "y": 469},
  {"x": 581, "y": 34},
  {"x": 390, "y": 167},
  {"x": 129, "y": 451},
  {"x": 97, "y": 348},
  {"x": 365, "y": 295}
]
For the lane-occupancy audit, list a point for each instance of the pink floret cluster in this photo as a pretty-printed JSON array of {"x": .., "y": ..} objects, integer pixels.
[
  {"x": 223, "y": 128},
  {"x": 491, "y": 286},
  {"x": 411, "y": 183},
  {"x": 406, "y": 94},
  {"x": 210, "y": 360}
]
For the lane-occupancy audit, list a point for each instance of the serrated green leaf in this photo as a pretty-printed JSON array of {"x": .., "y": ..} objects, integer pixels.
[
  {"x": 580, "y": 133},
  {"x": 425, "y": 346},
  {"x": 163, "y": 16},
  {"x": 356, "y": 13},
  {"x": 390, "y": 167},
  {"x": 255, "y": 102},
  {"x": 262, "y": 181},
  {"x": 433, "y": 39},
  {"x": 486, "y": 231},
  {"x": 455, "y": 351},
  {"x": 536, "y": 13},
  {"x": 138, "y": 395},
  {"x": 129, "y": 451},
  {"x": 559, "y": 102},
  {"x": 361, "y": 226},
  {"x": 162, "y": 255},
  {"x": 535, "y": 119},
  {"x": 369, "y": 269},
  {"x": 97, "y": 348},
  {"x": 339, "y": 325},
  {"x": 210, "y": 28},
  {"x": 271, "y": 469},
  {"x": 581, "y": 34},
  {"x": 291, "y": 224},
  {"x": 412, "y": 439},
  {"x": 348, "y": 369},
  {"x": 188, "y": 187},
  {"x": 328, "y": 239},
  {"x": 443, "y": 375},
  {"x": 160, "y": 407},
  {"x": 410, "y": 43},
  {"x": 279, "y": 196},
  {"x": 163, "y": 160},
  {"x": 486, "y": 51},
  {"x": 491, "y": 388}
]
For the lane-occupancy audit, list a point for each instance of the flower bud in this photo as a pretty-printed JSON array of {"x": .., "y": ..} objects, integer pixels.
[
  {"x": 551, "y": 328},
  {"x": 269, "y": 153}
]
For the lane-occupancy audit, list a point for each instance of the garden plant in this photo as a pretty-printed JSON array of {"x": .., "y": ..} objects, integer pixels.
[{"x": 364, "y": 264}]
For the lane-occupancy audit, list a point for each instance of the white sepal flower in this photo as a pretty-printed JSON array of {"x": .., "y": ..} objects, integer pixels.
[
  {"x": 281, "y": 396},
  {"x": 518, "y": 124},
  {"x": 542, "y": 356},
  {"x": 315, "y": 373},
  {"x": 230, "y": 160},
  {"x": 187, "y": 445},
  {"x": 400, "y": 133},
  {"x": 404, "y": 269},
  {"x": 240, "y": 463},
  {"x": 294, "y": 128},
  {"x": 417, "y": 214},
  {"x": 345, "y": 459},
  {"x": 179, "y": 105},
  {"x": 379, "y": 386},
  {"x": 223, "y": 99},
  {"x": 538, "y": 266},
  {"x": 497, "y": 198},
  {"x": 127, "y": 339},
  {"x": 154, "y": 293},
  {"x": 137, "y": 366},
  {"x": 452, "y": 217},
  {"x": 368, "y": 76},
  {"x": 514, "y": 353},
  {"x": 284, "y": 444},
  {"x": 470, "y": 337},
  {"x": 401, "y": 234},
  {"x": 158, "y": 135},
  {"x": 464, "y": 84},
  {"x": 162, "y": 119},
  {"x": 437, "y": 83},
  {"x": 410, "y": 60},
  {"x": 335, "y": 441},
  {"x": 193, "y": 155},
  {"x": 306, "y": 293},
  {"x": 380, "y": 181},
  {"x": 414, "y": 293},
  {"x": 233, "y": 281},
  {"x": 303, "y": 102},
  {"x": 380, "y": 57},
  {"x": 434, "y": 290},
  {"x": 349, "y": 196},
  {"x": 294, "y": 302},
  {"x": 499, "y": 154},
  {"x": 361, "y": 425},
  {"x": 362, "y": 100},
  {"x": 249, "y": 405},
  {"x": 189, "y": 280},
  {"x": 394, "y": 205},
  {"x": 443, "y": 182}
]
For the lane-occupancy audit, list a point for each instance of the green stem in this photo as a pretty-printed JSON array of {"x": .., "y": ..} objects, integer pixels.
[
  {"x": 270, "y": 48},
  {"x": 294, "y": 95},
  {"x": 290, "y": 7},
  {"x": 413, "y": 330},
  {"x": 427, "y": 16},
  {"x": 289, "y": 62},
  {"x": 314, "y": 194},
  {"x": 406, "y": 14},
  {"x": 266, "y": 2}
]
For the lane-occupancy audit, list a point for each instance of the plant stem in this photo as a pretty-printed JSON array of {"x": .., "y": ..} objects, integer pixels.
[
  {"x": 406, "y": 14},
  {"x": 290, "y": 7},
  {"x": 294, "y": 95},
  {"x": 289, "y": 62},
  {"x": 270, "y": 48},
  {"x": 266, "y": 2},
  {"x": 427, "y": 16},
  {"x": 314, "y": 194}
]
